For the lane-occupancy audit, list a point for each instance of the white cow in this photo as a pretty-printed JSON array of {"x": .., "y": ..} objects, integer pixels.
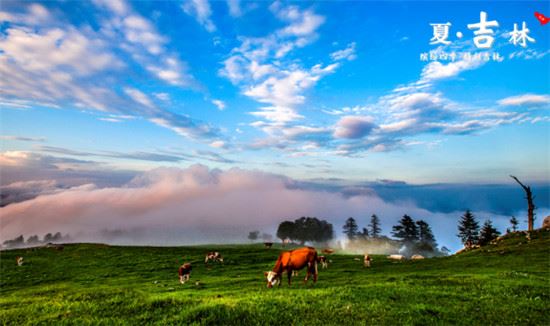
[
  {"x": 396, "y": 257},
  {"x": 417, "y": 257}
]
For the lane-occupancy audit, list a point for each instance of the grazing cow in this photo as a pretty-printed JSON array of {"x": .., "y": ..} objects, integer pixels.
[
  {"x": 19, "y": 260},
  {"x": 268, "y": 244},
  {"x": 214, "y": 256},
  {"x": 417, "y": 257},
  {"x": 396, "y": 257},
  {"x": 184, "y": 272},
  {"x": 323, "y": 261},
  {"x": 293, "y": 260},
  {"x": 366, "y": 260},
  {"x": 328, "y": 251}
]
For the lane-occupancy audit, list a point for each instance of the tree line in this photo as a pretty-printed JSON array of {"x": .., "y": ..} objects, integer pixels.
[
  {"x": 471, "y": 234},
  {"x": 35, "y": 240}
]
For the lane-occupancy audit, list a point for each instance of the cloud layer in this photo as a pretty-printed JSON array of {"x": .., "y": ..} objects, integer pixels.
[{"x": 198, "y": 205}]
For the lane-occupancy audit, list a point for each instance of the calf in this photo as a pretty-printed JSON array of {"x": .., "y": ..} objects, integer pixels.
[
  {"x": 323, "y": 261},
  {"x": 366, "y": 260},
  {"x": 328, "y": 251},
  {"x": 396, "y": 257},
  {"x": 184, "y": 272},
  {"x": 19, "y": 260},
  {"x": 214, "y": 256},
  {"x": 417, "y": 257}
]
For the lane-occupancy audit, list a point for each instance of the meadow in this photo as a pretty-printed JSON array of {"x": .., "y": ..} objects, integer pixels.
[{"x": 501, "y": 284}]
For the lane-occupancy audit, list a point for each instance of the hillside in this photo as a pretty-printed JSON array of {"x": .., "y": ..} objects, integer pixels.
[{"x": 504, "y": 283}]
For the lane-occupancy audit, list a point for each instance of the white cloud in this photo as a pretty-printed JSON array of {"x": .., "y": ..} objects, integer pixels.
[
  {"x": 139, "y": 97},
  {"x": 140, "y": 39},
  {"x": 346, "y": 54},
  {"x": 22, "y": 138},
  {"x": 301, "y": 23},
  {"x": 56, "y": 50},
  {"x": 172, "y": 71},
  {"x": 119, "y": 7},
  {"x": 353, "y": 127},
  {"x": 528, "y": 100},
  {"x": 219, "y": 104},
  {"x": 162, "y": 96},
  {"x": 53, "y": 66},
  {"x": 218, "y": 144},
  {"x": 436, "y": 70},
  {"x": 528, "y": 54},
  {"x": 200, "y": 9},
  {"x": 234, "y": 8},
  {"x": 140, "y": 31}
]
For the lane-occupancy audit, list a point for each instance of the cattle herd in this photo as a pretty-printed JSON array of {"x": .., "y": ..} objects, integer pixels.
[{"x": 291, "y": 262}]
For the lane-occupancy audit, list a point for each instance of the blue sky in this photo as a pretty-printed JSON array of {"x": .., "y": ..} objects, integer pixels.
[
  {"x": 160, "y": 66},
  {"x": 309, "y": 90}
]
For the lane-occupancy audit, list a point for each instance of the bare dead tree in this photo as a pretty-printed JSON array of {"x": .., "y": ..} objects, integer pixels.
[{"x": 530, "y": 204}]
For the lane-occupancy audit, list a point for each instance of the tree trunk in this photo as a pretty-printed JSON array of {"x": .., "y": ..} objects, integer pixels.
[{"x": 530, "y": 204}]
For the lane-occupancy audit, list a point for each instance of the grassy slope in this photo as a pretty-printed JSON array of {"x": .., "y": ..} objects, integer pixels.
[{"x": 500, "y": 284}]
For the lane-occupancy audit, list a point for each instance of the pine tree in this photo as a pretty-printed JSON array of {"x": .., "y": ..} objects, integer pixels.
[
  {"x": 406, "y": 230},
  {"x": 374, "y": 226},
  {"x": 468, "y": 229},
  {"x": 364, "y": 234},
  {"x": 488, "y": 233},
  {"x": 514, "y": 222},
  {"x": 350, "y": 228},
  {"x": 425, "y": 236}
]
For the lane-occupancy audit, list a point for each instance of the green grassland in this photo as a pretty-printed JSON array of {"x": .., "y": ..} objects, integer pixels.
[{"x": 502, "y": 284}]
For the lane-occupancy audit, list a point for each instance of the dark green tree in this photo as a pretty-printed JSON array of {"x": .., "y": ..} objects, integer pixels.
[
  {"x": 425, "y": 233},
  {"x": 350, "y": 228},
  {"x": 374, "y": 226},
  {"x": 426, "y": 239},
  {"x": 33, "y": 240},
  {"x": 488, "y": 233},
  {"x": 57, "y": 237},
  {"x": 48, "y": 238},
  {"x": 514, "y": 222},
  {"x": 312, "y": 229},
  {"x": 406, "y": 230},
  {"x": 253, "y": 235},
  {"x": 16, "y": 242},
  {"x": 468, "y": 229},
  {"x": 364, "y": 234},
  {"x": 306, "y": 229},
  {"x": 286, "y": 230}
]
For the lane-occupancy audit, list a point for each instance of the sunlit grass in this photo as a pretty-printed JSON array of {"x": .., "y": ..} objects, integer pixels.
[{"x": 500, "y": 284}]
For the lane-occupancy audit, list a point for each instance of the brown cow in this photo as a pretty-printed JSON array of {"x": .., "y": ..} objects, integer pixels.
[
  {"x": 328, "y": 251},
  {"x": 366, "y": 260},
  {"x": 19, "y": 260},
  {"x": 323, "y": 261},
  {"x": 268, "y": 244},
  {"x": 214, "y": 256},
  {"x": 290, "y": 261},
  {"x": 184, "y": 272}
]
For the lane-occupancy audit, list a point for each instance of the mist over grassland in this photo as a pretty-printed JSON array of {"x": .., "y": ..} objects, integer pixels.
[{"x": 197, "y": 205}]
